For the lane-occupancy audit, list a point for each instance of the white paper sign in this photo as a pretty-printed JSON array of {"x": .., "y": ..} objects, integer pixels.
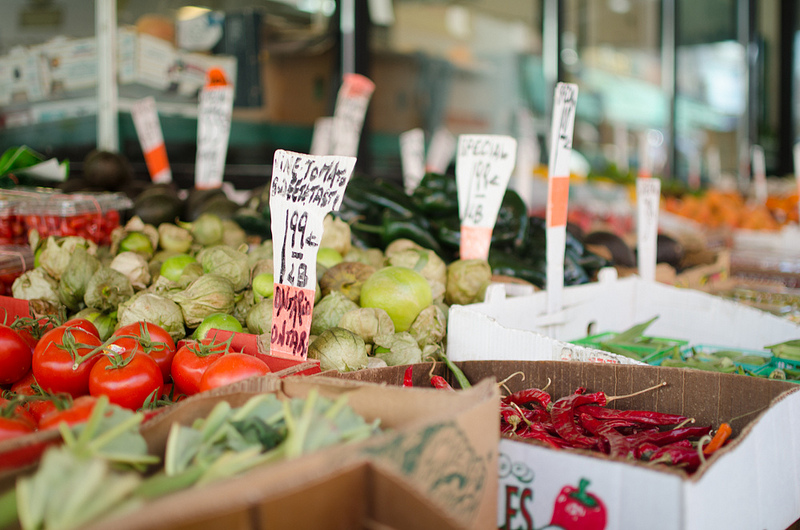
[
  {"x": 566, "y": 98},
  {"x": 321, "y": 137},
  {"x": 304, "y": 188},
  {"x": 759, "y": 174},
  {"x": 714, "y": 165},
  {"x": 441, "y": 151},
  {"x": 648, "y": 196},
  {"x": 348, "y": 117},
  {"x": 51, "y": 170},
  {"x": 796, "y": 157},
  {"x": 621, "y": 143},
  {"x": 412, "y": 158},
  {"x": 484, "y": 164},
  {"x": 213, "y": 134},
  {"x": 148, "y": 129}
]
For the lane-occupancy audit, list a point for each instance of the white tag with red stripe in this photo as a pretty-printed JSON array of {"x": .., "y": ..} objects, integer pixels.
[
  {"x": 484, "y": 163},
  {"x": 304, "y": 188},
  {"x": 412, "y": 158},
  {"x": 321, "y": 137},
  {"x": 148, "y": 129},
  {"x": 565, "y": 100},
  {"x": 213, "y": 130},
  {"x": 348, "y": 116}
]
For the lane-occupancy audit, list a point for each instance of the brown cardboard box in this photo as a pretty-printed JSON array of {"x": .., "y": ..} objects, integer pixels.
[
  {"x": 395, "y": 105},
  {"x": 298, "y": 88},
  {"x": 441, "y": 445},
  {"x": 750, "y": 483}
]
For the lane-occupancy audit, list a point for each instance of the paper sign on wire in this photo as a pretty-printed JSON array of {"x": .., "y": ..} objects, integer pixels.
[
  {"x": 303, "y": 190},
  {"x": 412, "y": 158},
  {"x": 648, "y": 196},
  {"x": 566, "y": 96},
  {"x": 321, "y": 137},
  {"x": 484, "y": 164},
  {"x": 441, "y": 151},
  {"x": 348, "y": 116},
  {"x": 148, "y": 129},
  {"x": 213, "y": 130}
]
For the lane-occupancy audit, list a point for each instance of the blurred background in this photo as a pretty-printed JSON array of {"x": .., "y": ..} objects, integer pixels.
[{"x": 700, "y": 82}]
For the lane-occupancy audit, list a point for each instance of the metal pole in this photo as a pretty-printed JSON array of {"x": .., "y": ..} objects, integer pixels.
[
  {"x": 347, "y": 25},
  {"x": 551, "y": 26},
  {"x": 743, "y": 138},
  {"x": 107, "y": 104},
  {"x": 668, "y": 80}
]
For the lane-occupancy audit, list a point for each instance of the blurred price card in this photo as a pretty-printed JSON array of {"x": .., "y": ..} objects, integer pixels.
[
  {"x": 759, "y": 175},
  {"x": 441, "y": 151},
  {"x": 303, "y": 190},
  {"x": 148, "y": 129},
  {"x": 412, "y": 158},
  {"x": 648, "y": 196},
  {"x": 348, "y": 116},
  {"x": 484, "y": 164},
  {"x": 213, "y": 130},
  {"x": 566, "y": 98}
]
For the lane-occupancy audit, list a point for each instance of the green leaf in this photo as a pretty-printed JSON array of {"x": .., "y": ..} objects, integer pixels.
[
  {"x": 632, "y": 334},
  {"x": 183, "y": 444}
]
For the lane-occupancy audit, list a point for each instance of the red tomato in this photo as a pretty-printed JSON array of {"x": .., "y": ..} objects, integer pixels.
[
  {"x": 24, "y": 386},
  {"x": 127, "y": 379},
  {"x": 150, "y": 339},
  {"x": 84, "y": 324},
  {"x": 40, "y": 409},
  {"x": 191, "y": 361},
  {"x": 55, "y": 355},
  {"x": 230, "y": 368},
  {"x": 15, "y": 356},
  {"x": 78, "y": 412},
  {"x": 31, "y": 329}
]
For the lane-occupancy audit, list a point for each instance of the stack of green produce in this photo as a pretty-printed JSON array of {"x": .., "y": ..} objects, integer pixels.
[{"x": 371, "y": 306}]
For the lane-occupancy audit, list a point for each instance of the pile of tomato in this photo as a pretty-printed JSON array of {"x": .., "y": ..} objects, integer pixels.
[
  {"x": 53, "y": 373},
  {"x": 12, "y": 229}
]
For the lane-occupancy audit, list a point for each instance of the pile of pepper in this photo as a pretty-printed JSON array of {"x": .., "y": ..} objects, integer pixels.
[
  {"x": 379, "y": 212},
  {"x": 583, "y": 421}
]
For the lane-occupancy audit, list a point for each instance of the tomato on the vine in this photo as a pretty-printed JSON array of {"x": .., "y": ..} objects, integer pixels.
[
  {"x": 192, "y": 360},
  {"x": 63, "y": 359},
  {"x": 78, "y": 412},
  {"x": 127, "y": 379},
  {"x": 32, "y": 329},
  {"x": 15, "y": 356},
  {"x": 83, "y": 323},
  {"x": 230, "y": 368},
  {"x": 151, "y": 339},
  {"x": 11, "y": 410}
]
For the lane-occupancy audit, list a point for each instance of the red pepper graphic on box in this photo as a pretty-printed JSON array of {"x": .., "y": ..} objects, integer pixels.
[{"x": 577, "y": 509}]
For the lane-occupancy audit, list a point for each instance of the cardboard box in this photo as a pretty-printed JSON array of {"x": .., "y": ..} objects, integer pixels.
[
  {"x": 443, "y": 445},
  {"x": 518, "y": 328},
  {"x": 753, "y": 482},
  {"x": 298, "y": 88}
]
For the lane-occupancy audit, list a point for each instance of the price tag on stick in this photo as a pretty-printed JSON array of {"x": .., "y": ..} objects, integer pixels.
[
  {"x": 148, "y": 129},
  {"x": 484, "y": 164},
  {"x": 648, "y": 196},
  {"x": 412, "y": 157},
  {"x": 566, "y": 97},
  {"x": 759, "y": 175},
  {"x": 321, "y": 137},
  {"x": 441, "y": 151},
  {"x": 348, "y": 116},
  {"x": 303, "y": 190},
  {"x": 213, "y": 130}
]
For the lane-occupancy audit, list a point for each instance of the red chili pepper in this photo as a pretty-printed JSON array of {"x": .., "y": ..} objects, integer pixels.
[
  {"x": 723, "y": 433},
  {"x": 529, "y": 395},
  {"x": 537, "y": 432},
  {"x": 640, "y": 416},
  {"x": 439, "y": 382},
  {"x": 563, "y": 416},
  {"x": 408, "y": 376},
  {"x": 645, "y": 451},
  {"x": 577, "y": 509},
  {"x": 662, "y": 438}
]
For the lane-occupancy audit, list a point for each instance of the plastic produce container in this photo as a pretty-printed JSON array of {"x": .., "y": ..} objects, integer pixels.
[
  {"x": 91, "y": 216},
  {"x": 647, "y": 349},
  {"x": 12, "y": 225},
  {"x": 14, "y": 260}
]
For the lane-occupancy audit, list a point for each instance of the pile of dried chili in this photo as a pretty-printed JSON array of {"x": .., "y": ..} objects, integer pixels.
[{"x": 583, "y": 420}]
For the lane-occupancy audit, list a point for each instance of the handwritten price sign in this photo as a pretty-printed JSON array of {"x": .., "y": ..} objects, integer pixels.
[
  {"x": 303, "y": 190},
  {"x": 348, "y": 116},
  {"x": 648, "y": 195},
  {"x": 484, "y": 164},
  {"x": 213, "y": 130},
  {"x": 566, "y": 98},
  {"x": 148, "y": 129}
]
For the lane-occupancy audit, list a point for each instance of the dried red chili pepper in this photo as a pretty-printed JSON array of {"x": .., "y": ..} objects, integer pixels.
[
  {"x": 529, "y": 395},
  {"x": 408, "y": 376},
  {"x": 534, "y": 431},
  {"x": 563, "y": 416},
  {"x": 640, "y": 416},
  {"x": 678, "y": 455},
  {"x": 662, "y": 438},
  {"x": 645, "y": 451},
  {"x": 577, "y": 509}
]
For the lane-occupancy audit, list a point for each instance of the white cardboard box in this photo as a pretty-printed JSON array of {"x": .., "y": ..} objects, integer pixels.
[{"x": 518, "y": 328}]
